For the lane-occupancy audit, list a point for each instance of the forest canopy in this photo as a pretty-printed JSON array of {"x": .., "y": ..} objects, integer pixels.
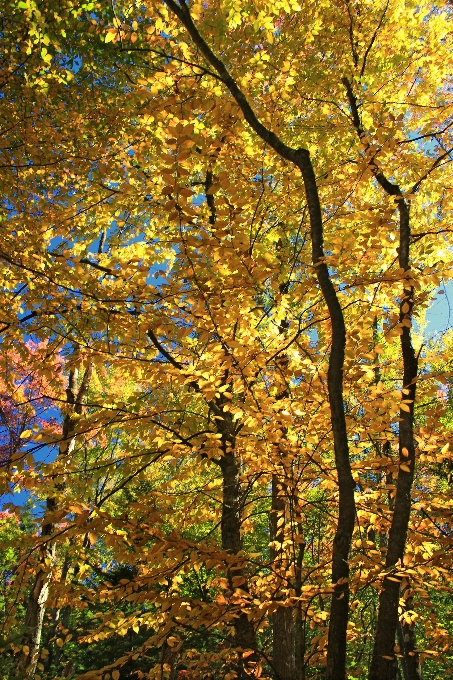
[{"x": 226, "y": 429}]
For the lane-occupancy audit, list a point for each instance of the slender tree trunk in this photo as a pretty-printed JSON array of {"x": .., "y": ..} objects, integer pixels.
[
  {"x": 168, "y": 662},
  {"x": 232, "y": 503},
  {"x": 34, "y": 614},
  {"x": 232, "y": 499},
  {"x": 394, "y": 669},
  {"x": 283, "y": 660},
  {"x": 408, "y": 644},
  {"x": 339, "y": 610},
  {"x": 58, "y": 616},
  {"x": 403, "y": 660},
  {"x": 383, "y": 653},
  {"x": 299, "y": 625},
  {"x": 282, "y": 619},
  {"x": 382, "y": 660},
  {"x": 232, "y": 508}
]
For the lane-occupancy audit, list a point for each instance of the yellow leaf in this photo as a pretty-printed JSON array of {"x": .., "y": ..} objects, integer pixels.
[
  {"x": 59, "y": 642},
  {"x": 115, "y": 675},
  {"x": 26, "y": 650},
  {"x": 25, "y": 434},
  {"x": 404, "y": 407},
  {"x": 269, "y": 258},
  {"x": 405, "y": 467}
]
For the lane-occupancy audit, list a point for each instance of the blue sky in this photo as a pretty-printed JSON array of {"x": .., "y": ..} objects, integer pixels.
[{"x": 440, "y": 314}]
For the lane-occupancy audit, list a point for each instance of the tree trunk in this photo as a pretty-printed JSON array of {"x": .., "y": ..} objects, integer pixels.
[
  {"x": 383, "y": 652},
  {"x": 299, "y": 625},
  {"x": 168, "y": 662},
  {"x": 283, "y": 661},
  {"x": 383, "y": 657},
  {"x": 339, "y": 609},
  {"x": 232, "y": 507},
  {"x": 407, "y": 642},
  {"x": 34, "y": 614},
  {"x": 59, "y": 616}
]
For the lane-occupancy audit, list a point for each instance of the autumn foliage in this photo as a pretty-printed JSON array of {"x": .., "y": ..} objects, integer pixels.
[{"x": 223, "y": 227}]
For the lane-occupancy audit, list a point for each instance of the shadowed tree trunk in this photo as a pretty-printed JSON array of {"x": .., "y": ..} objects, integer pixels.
[
  {"x": 169, "y": 658},
  {"x": 410, "y": 661},
  {"x": 232, "y": 509},
  {"x": 339, "y": 608},
  {"x": 283, "y": 651},
  {"x": 282, "y": 619},
  {"x": 232, "y": 505},
  {"x": 382, "y": 662},
  {"x": 299, "y": 624},
  {"x": 383, "y": 653}
]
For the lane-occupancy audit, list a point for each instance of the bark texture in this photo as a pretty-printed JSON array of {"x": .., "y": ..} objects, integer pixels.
[{"x": 410, "y": 660}]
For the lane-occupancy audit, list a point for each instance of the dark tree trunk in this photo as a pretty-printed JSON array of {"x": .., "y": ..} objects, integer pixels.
[
  {"x": 299, "y": 624},
  {"x": 168, "y": 662},
  {"x": 410, "y": 661},
  {"x": 232, "y": 508},
  {"x": 339, "y": 609},
  {"x": 282, "y": 619},
  {"x": 383, "y": 657},
  {"x": 387, "y": 624}
]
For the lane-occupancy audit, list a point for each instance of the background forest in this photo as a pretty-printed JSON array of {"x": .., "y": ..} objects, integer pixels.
[{"x": 225, "y": 430}]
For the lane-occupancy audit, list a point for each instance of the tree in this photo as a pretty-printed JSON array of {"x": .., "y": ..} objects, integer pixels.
[{"x": 282, "y": 171}]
